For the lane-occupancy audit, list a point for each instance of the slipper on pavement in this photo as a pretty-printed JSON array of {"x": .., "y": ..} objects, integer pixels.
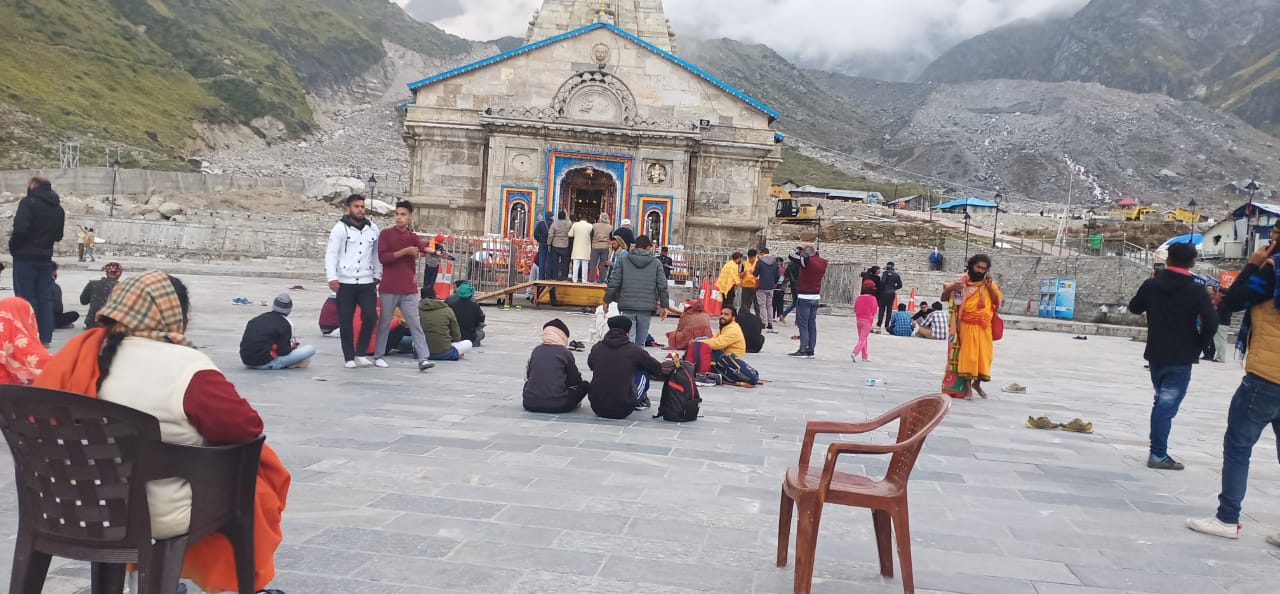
[
  {"x": 1041, "y": 423},
  {"x": 1015, "y": 389},
  {"x": 1077, "y": 426}
]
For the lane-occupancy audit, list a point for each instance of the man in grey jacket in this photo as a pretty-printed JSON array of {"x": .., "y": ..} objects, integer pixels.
[
  {"x": 639, "y": 286},
  {"x": 558, "y": 238}
]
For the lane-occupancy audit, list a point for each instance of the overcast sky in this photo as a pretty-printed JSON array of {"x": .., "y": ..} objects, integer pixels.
[{"x": 880, "y": 37}]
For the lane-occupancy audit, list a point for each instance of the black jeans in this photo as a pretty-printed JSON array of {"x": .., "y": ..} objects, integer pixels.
[
  {"x": 573, "y": 397},
  {"x": 366, "y": 298},
  {"x": 561, "y": 269},
  {"x": 885, "y": 313},
  {"x": 33, "y": 281}
]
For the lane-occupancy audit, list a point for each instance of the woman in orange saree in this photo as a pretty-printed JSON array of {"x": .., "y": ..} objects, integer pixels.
[
  {"x": 975, "y": 299},
  {"x": 140, "y": 357}
]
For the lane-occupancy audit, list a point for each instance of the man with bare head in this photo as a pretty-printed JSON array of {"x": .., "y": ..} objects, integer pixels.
[
  {"x": 351, "y": 264},
  {"x": 37, "y": 226}
]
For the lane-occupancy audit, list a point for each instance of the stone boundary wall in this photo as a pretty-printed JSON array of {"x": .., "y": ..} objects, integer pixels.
[
  {"x": 131, "y": 237},
  {"x": 97, "y": 181}
]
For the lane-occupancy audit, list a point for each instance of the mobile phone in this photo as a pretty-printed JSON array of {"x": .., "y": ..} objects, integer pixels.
[{"x": 1158, "y": 266}]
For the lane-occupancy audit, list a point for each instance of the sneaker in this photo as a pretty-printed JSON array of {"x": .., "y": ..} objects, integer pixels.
[
  {"x": 424, "y": 365},
  {"x": 364, "y": 362},
  {"x": 853, "y": 357},
  {"x": 1215, "y": 527},
  {"x": 1167, "y": 464},
  {"x": 643, "y": 404},
  {"x": 380, "y": 363},
  {"x": 800, "y": 354},
  {"x": 350, "y": 365},
  {"x": 1274, "y": 539}
]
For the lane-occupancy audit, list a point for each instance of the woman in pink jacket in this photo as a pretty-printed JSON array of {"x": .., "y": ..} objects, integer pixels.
[{"x": 865, "y": 308}]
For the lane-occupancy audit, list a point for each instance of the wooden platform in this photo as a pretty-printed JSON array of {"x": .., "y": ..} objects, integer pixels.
[{"x": 567, "y": 293}]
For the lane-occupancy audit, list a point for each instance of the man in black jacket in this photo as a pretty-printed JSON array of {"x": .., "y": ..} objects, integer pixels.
[
  {"x": 268, "y": 342},
  {"x": 1173, "y": 302},
  {"x": 752, "y": 329},
  {"x": 552, "y": 382},
  {"x": 37, "y": 226},
  {"x": 61, "y": 317},
  {"x": 890, "y": 283},
  {"x": 620, "y": 372},
  {"x": 640, "y": 287},
  {"x": 470, "y": 316}
]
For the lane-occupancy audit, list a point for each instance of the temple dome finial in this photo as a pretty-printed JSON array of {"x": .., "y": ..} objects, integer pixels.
[{"x": 642, "y": 18}]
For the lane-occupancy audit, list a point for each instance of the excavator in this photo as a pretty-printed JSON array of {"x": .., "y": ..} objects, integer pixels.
[{"x": 788, "y": 210}]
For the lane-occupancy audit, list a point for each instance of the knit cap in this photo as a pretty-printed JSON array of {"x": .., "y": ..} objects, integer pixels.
[{"x": 283, "y": 304}]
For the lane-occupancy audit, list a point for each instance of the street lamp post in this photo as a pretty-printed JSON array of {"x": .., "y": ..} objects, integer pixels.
[
  {"x": 115, "y": 173},
  {"x": 966, "y": 233},
  {"x": 1248, "y": 216},
  {"x": 996, "y": 225},
  {"x": 1195, "y": 216},
  {"x": 373, "y": 186}
]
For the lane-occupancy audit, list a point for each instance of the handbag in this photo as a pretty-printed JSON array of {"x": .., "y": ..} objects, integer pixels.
[{"x": 997, "y": 327}]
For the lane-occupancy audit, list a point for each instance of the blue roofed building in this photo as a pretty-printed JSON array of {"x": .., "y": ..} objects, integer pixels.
[
  {"x": 972, "y": 205},
  {"x": 594, "y": 115}
]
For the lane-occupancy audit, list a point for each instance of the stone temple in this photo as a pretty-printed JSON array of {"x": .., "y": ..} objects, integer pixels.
[{"x": 594, "y": 114}]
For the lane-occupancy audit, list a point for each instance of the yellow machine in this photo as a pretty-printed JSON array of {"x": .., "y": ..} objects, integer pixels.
[
  {"x": 1183, "y": 215},
  {"x": 787, "y": 210},
  {"x": 1135, "y": 213}
]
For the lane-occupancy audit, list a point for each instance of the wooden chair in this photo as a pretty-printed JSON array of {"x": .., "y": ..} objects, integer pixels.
[
  {"x": 809, "y": 487},
  {"x": 82, "y": 467}
]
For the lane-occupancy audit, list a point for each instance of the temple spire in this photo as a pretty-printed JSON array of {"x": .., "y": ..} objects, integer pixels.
[{"x": 642, "y": 18}]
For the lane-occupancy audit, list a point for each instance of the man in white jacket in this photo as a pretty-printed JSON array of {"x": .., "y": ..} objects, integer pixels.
[{"x": 354, "y": 271}]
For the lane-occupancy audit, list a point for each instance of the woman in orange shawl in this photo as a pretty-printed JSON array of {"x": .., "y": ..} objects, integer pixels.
[
  {"x": 21, "y": 354},
  {"x": 975, "y": 299},
  {"x": 140, "y": 357},
  {"x": 694, "y": 323}
]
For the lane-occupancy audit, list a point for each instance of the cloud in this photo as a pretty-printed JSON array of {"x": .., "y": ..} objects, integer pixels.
[{"x": 887, "y": 38}]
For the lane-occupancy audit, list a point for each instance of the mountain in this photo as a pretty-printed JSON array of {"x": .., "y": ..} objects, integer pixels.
[
  {"x": 1223, "y": 52},
  {"x": 161, "y": 78}
]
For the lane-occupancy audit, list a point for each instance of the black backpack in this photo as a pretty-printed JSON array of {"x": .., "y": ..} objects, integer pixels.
[{"x": 680, "y": 398}]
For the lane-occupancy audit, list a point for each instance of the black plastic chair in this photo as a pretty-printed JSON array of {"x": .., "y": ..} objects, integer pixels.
[{"x": 82, "y": 467}]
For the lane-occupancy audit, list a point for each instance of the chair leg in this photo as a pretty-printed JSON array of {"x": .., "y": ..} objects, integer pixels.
[
  {"x": 884, "y": 540},
  {"x": 806, "y": 545},
  {"x": 160, "y": 566},
  {"x": 30, "y": 567},
  {"x": 902, "y": 526},
  {"x": 240, "y": 533},
  {"x": 784, "y": 527},
  {"x": 106, "y": 578}
]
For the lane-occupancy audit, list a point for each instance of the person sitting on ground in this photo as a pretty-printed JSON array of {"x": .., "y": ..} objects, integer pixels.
[
  {"x": 936, "y": 324},
  {"x": 470, "y": 316},
  {"x": 900, "y": 323},
  {"x": 140, "y": 357},
  {"x": 552, "y": 382},
  {"x": 752, "y": 329},
  {"x": 22, "y": 357},
  {"x": 620, "y": 372},
  {"x": 695, "y": 322},
  {"x": 268, "y": 342},
  {"x": 96, "y": 292},
  {"x": 729, "y": 341},
  {"x": 61, "y": 318},
  {"x": 922, "y": 313},
  {"x": 444, "y": 336}
]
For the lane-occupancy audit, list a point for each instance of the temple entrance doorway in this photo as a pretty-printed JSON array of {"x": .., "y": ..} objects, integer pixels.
[{"x": 587, "y": 192}]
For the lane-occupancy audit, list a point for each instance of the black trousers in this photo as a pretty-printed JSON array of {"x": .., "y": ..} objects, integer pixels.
[
  {"x": 573, "y": 397},
  {"x": 349, "y": 298},
  {"x": 561, "y": 270},
  {"x": 885, "y": 314}
]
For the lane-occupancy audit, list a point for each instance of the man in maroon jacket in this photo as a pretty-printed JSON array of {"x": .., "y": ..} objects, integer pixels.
[
  {"x": 398, "y": 250},
  {"x": 808, "y": 296}
]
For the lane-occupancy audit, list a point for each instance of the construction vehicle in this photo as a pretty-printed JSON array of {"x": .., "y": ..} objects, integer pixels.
[
  {"x": 1133, "y": 213},
  {"x": 789, "y": 210},
  {"x": 1183, "y": 215}
]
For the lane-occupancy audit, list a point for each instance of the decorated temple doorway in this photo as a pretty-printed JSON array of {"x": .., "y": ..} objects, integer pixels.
[{"x": 587, "y": 192}]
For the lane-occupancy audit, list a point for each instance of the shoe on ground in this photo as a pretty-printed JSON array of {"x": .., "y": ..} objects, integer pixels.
[
  {"x": 364, "y": 362},
  {"x": 1274, "y": 539},
  {"x": 801, "y": 354},
  {"x": 424, "y": 365},
  {"x": 853, "y": 357},
  {"x": 1077, "y": 426},
  {"x": 1167, "y": 464},
  {"x": 350, "y": 365},
  {"x": 1215, "y": 527},
  {"x": 1015, "y": 389},
  {"x": 1041, "y": 423},
  {"x": 303, "y": 364},
  {"x": 381, "y": 363},
  {"x": 866, "y": 359},
  {"x": 643, "y": 404}
]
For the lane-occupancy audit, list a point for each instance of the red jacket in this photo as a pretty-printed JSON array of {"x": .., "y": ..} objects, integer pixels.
[{"x": 812, "y": 269}]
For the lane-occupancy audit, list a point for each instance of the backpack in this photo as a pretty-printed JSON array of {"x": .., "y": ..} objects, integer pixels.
[
  {"x": 680, "y": 398},
  {"x": 698, "y": 357},
  {"x": 734, "y": 370}
]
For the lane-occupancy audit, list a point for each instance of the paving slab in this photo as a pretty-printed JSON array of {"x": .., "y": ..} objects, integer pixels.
[{"x": 425, "y": 483}]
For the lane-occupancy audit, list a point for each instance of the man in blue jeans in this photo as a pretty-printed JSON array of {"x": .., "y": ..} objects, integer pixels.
[
  {"x": 1256, "y": 403},
  {"x": 37, "y": 226},
  {"x": 808, "y": 295},
  {"x": 1173, "y": 302}
]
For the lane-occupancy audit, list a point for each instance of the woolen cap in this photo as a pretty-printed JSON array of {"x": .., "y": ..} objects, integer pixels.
[
  {"x": 283, "y": 304},
  {"x": 558, "y": 324},
  {"x": 622, "y": 323}
]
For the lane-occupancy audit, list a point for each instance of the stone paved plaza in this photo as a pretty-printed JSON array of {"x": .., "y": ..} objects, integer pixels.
[{"x": 439, "y": 483}]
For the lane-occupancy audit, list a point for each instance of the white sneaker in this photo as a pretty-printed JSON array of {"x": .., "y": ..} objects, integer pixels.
[
  {"x": 1215, "y": 527},
  {"x": 380, "y": 363},
  {"x": 364, "y": 362},
  {"x": 350, "y": 365},
  {"x": 1274, "y": 539}
]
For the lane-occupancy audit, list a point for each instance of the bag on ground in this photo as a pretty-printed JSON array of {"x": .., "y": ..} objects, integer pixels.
[
  {"x": 736, "y": 371},
  {"x": 680, "y": 398}
]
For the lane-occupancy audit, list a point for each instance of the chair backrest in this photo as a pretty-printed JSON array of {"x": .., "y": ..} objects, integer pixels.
[
  {"x": 919, "y": 418},
  {"x": 81, "y": 465}
]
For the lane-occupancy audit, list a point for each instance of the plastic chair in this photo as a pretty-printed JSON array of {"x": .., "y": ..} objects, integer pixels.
[
  {"x": 809, "y": 488},
  {"x": 82, "y": 467}
]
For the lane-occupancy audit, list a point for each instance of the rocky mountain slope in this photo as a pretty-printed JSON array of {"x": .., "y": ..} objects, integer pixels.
[
  {"x": 165, "y": 79},
  {"x": 1223, "y": 52}
]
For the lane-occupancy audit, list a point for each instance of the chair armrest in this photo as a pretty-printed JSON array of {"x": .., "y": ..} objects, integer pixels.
[
  {"x": 814, "y": 428},
  {"x": 843, "y": 447}
]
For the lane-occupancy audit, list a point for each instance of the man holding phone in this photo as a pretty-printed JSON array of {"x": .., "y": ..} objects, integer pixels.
[{"x": 1256, "y": 403}]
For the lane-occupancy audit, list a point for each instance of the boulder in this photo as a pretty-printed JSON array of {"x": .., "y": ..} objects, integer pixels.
[
  {"x": 379, "y": 207},
  {"x": 170, "y": 209},
  {"x": 155, "y": 201},
  {"x": 178, "y": 219},
  {"x": 334, "y": 189}
]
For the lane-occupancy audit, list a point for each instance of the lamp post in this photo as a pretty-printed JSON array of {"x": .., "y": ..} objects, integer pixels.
[
  {"x": 373, "y": 186},
  {"x": 115, "y": 173},
  {"x": 1252, "y": 187},
  {"x": 966, "y": 233},
  {"x": 1195, "y": 217},
  {"x": 996, "y": 225}
]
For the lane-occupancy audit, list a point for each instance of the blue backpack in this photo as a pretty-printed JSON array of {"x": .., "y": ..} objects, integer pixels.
[{"x": 734, "y": 370}]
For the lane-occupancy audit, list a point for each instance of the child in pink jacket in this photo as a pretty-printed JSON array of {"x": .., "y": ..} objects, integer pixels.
[{"x": 865, "y": 308}]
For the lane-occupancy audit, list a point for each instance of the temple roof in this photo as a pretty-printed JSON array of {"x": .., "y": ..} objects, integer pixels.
[{"x": 643, "y": 18}]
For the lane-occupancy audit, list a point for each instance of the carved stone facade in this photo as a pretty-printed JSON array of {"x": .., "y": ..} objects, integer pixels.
[{"x": 594, "y": 121}]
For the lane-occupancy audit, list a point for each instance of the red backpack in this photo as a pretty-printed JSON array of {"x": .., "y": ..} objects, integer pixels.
[{"x": 698, "y": 357}]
